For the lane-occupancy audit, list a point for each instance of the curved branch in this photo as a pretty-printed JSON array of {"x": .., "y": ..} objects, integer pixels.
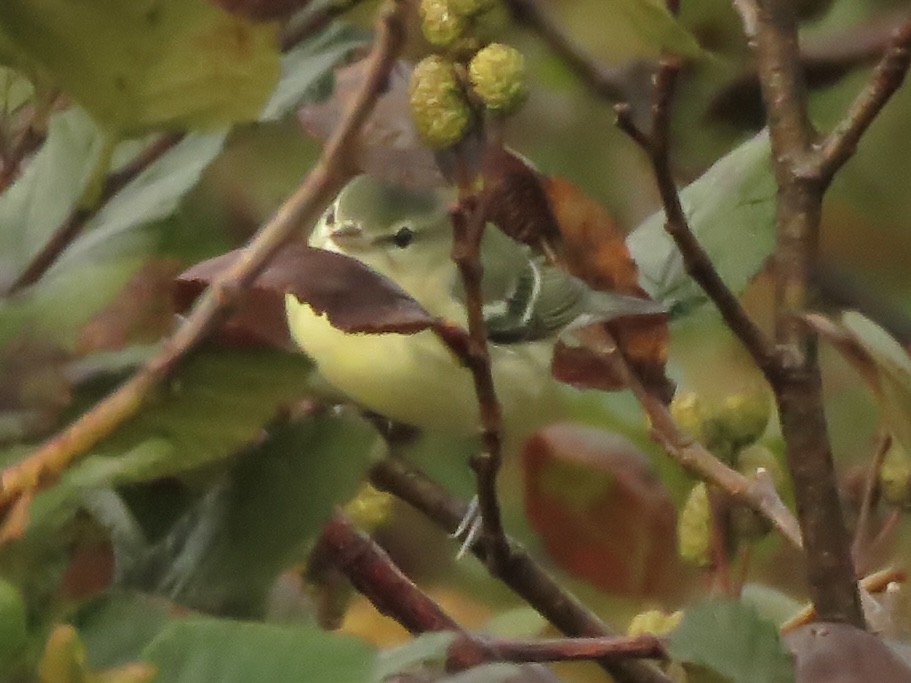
[{"x": 321, "y": 184}]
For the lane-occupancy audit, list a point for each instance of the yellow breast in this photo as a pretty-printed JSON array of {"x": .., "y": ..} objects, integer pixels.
[{"x": 416, "y": 380}]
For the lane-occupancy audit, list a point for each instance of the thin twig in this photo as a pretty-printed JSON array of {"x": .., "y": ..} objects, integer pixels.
[
  {"x": 468, "y": 223},
  {"x": 656, "y": 144},
  {"x": 693, "y": 455},
  {"x": 863, "y": 529},
  {"x": 605, "y": 82},
  {"x": 26, "y": 142},
  {"x": 873, "y": 583},
  {"x": 889, "y": 74},
  {"x": 72, "y": 227},
  {"x": 521, "y": 573},
  {"x": 321, "y": 184}
]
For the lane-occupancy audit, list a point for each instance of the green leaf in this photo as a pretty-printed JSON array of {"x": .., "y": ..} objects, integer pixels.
[
  {"x": 218, "y": 402},
  {"x": 115, "y": 243},
  {"x": 145, "y": 64},
  {"x": 263, "y": 518},
  {"x": 198, "y": 650},
  {"x": 45, "y": 194},
  {"x": 650, "y": 21},
  {"x": 308, "y": 67},
  {"x": 731, "y": 211},
  {"x": 116, "y": 627},
  {"x": 729, "y": 638},
  {"x": 426, "y": 647},
  {"x": 885, "y": 366}
]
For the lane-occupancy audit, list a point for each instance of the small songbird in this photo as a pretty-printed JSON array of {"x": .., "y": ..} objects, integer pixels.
[{"x": 406, "y": 236}]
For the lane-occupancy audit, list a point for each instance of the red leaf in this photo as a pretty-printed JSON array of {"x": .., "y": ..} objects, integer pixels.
[{"x": 600, "y": 511}]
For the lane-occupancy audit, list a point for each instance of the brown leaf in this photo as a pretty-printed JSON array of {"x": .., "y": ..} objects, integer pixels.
[
  {"x": 600, "y": 511},
  {"x": 353, "y": 297},
  {"x": 594, "y": 250},
  {"x": 517, "y": 201}
]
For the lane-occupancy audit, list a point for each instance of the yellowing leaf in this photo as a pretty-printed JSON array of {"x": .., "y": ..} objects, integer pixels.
[{"x": 145, "y": 64}]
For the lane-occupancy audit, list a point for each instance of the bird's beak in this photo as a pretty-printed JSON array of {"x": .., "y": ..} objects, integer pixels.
[{"x": 348, "y": 235}]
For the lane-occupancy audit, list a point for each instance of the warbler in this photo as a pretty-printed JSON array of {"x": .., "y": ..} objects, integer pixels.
[{"x": 406, "y": 236}]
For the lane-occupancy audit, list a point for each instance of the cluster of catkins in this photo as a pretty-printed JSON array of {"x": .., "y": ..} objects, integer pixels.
[
  {"x": 730, "y": 429},
  {"x": 451, "y": 88}
]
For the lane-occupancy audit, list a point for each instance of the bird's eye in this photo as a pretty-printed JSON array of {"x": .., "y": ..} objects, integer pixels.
[{"x": 403, "y": 237}]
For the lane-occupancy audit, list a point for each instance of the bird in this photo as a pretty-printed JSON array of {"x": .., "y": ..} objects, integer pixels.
[{"x": 406, "y": 236}]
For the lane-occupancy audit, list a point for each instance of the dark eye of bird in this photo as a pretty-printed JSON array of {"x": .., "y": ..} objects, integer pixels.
[{"x": 403, "y": 237}]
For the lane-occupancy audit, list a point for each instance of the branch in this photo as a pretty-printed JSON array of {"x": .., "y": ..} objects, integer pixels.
[
  {"x": 603, "y": 81},
  {"x": 321, "y": 184},
  {"x": 692, "y": 455},
  {"x": 616, "y": 648},
  {"x": 887, "y": 77},
  {"x": 656, "y": 144},
  {"x": 520, "y": 573},
  {"x": 795, "y": 376},
  {"x": 71, "y": 228},
  {"x": 373, "y": 573},
  {"x": 468, "y": 223}
]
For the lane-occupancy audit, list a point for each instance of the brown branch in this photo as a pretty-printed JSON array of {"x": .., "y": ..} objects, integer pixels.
[
  {"x": 468, "y": 223},
  {"x": 840, "y": 144},
  {"x": 525, "y": 577},
  {"x": 26, "y": 142},
  {"x": 603, "y": 81},
  {"x": 373, "y": 573},
  {"x": 72, "y": 227},
  {"x": 617, "y": 648},
  {"x": 656, "y": 144},
  {"x": 795, "y": 377},
  {"x": 321, "y": 184}
]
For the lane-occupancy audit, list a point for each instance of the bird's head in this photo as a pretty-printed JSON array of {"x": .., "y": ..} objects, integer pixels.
[{"x": 397, "y": 232}]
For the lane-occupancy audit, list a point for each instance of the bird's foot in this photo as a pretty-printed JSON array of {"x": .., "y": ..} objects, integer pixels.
[{"x": 469, "y": 529}]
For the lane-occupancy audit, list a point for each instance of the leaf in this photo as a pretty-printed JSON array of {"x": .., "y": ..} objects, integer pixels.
[
  {"x": 218, "y": 402},
  {"x": 882, "y": 362},
  {"x": 262, "y": 518},
  {"x": 115, "y": 243},
  {"x": 307, "y": 67},
  {"x": 117, "y": 626},
  {"x": 729, "y": 638},
  {"x": 650, "y": 21},
  {"x": 731, "y": 211},
  {"x": 424, "y": 648},
  {"x": 146, "y": 64},
  {"x": 199, "y": 649},
  {"x": 600, "y": 511},
  {"x": 46, "y": 192},
  {"x": 353, "y": 297}
]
